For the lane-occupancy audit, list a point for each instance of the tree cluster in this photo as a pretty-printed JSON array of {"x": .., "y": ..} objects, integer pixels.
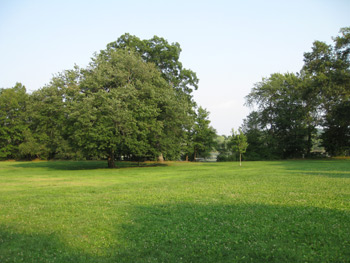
[
  {"x": 292, "y": 111},
  {"x": 132, "y": 102}
]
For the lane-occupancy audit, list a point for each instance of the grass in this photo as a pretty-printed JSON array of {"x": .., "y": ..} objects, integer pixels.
[{"x": 292, "y": 211}]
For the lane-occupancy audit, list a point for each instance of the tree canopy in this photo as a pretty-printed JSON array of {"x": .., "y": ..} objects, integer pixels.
[
  {"x": 13, "y": 104},
  {"x": 123, "y": 109},
  {"x": 292, "y": 108},
  {"x": 132, "y": 102},
  {"x": 165, "y": 56}
]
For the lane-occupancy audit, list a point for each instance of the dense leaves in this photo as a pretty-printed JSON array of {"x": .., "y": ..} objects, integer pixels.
[
  {"x": 132, "y": 102},
  {"x": 164, "y": 55},
  {"x": 13, "y": 103},
  {"x": 336, "y": 136},
  {"x": 201, "y": 137},
  {"x": 282, "y": 114},
  {"x": 291, "y": 108},
  {"x": 123, "y": 109}
]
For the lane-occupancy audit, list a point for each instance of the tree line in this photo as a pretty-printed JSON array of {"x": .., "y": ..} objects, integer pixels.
[
  {"x": 132, "y": 102},
  {"x": 294, "y": 112}
]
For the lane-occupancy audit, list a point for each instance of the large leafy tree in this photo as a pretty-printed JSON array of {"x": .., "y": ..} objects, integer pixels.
[
  {"x": 133, "y": 100},
  {"x": 282, "y": 114},
  {"x": 13, "y": 104},
  {"x": 290, "y": 107},
  {"x": 123, "y": 108},
  {"x": 166, "y": 57},
  {"x": 327, "y": 75}
]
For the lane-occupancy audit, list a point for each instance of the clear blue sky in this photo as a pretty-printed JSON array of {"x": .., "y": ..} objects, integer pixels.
[{"x": 229, "y": 44}]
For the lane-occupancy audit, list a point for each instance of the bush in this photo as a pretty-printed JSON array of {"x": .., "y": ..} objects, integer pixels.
[{"x": 226, "y": 157}]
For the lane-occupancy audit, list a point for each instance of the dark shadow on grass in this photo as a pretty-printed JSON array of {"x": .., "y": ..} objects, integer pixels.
[
  {"x": 189, "y": 232},
  {"x": 237, "y": 233},
  {"x": 82, "y": 165},
  {"x": 19, "y": 247},
  {"x": 328, "y": 168}
]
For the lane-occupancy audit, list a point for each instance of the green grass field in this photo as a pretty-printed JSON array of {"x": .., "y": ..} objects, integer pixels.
[{"x": 291, "y": 211}]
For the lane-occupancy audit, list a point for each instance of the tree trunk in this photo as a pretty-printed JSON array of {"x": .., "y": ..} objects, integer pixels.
[
  {"x": 186, "y": 157},
  {"x": 240, "y": 159},
  {"x": 309, "y": 141},
  {"x": 111, "y": 160},
  {"x": 160, "y": 158}
]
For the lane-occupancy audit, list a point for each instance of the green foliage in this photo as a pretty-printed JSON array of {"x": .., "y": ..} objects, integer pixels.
[
  {"x": 327, "y": 70},
  {"x": 133, "y": 101},
  {"x": 260, "y": 142},
  {"x": 30, "y": 148},
  {"x": 46, "y": 117},
  {"x": 123, "y": 109},
  {"x": 336, "y": 134},
  {"x": 282, "y": 117},
  {"x": 239, "y": 143},
  {"x": 290, "y": 211},
  {"x": 165, "y": 56},
  {"x": 201, "y": 136},
  {"x": 224, "y": 147},
  {"x": 13, "y": 104},
  {"x": 226, "y": 157},
  {"x": 180, "y": 114},
  {"x": 290, "y": 106}
]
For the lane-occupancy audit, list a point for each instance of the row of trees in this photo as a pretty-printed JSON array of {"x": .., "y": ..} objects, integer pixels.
[
  {"x": 133, "y": 101},
  {"x": 292, "y": 111}
]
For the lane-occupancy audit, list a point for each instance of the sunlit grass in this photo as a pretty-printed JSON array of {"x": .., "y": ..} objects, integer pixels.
[{"x": 295, "y": 211}]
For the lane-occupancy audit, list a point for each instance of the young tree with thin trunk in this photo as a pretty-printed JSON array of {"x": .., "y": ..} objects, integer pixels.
[{"x": 239, "y": 143}]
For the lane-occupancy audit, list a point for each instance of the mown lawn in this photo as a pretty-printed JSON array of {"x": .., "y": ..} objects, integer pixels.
[{"x": 292, "y": 211}]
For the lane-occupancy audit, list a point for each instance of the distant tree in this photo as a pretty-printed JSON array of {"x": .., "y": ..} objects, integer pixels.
[
  {"x": 261, "y": 145},
  {"x": 202, "y": 136},
  {"x": 239, "y": 143},
  {"x": 224, "y": 149}
]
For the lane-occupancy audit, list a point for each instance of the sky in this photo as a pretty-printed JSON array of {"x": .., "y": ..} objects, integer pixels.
[{"x": 231, "y": 45}]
